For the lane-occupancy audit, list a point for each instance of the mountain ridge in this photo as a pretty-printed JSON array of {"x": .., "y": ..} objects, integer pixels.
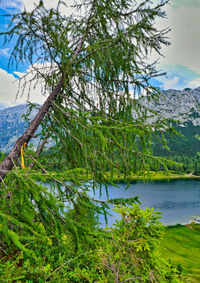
[{"x": 181, "y": 105}]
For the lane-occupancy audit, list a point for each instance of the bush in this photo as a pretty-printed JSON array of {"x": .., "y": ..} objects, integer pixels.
[{"x": 128, "y": 251}]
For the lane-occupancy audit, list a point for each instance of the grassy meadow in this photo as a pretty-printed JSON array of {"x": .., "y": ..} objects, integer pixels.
[{"x": 181, "y": 246}]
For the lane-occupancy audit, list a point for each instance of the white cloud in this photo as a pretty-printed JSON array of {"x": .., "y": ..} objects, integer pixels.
[
  {"x": 11, "y": 4},
  {"x": 9, "y": 87},
  {"x": 29, "y": 5},
  {"x": 170, "y": 84},
  {"x": 185, "y": 38},
  {"x": 194, "y": 83},
  {"x": 5, "y": 52},
  {"x": 65, "y": 9}
]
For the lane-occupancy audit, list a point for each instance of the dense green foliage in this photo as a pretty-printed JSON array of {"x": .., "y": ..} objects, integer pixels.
[
  {"x": 187, "y": 164},
  {"x": 48, "y": 221},
  {"x": 127, "y": 252}
]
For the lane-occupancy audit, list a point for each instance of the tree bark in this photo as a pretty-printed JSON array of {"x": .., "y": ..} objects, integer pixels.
[{"x": 7, "y": 163}]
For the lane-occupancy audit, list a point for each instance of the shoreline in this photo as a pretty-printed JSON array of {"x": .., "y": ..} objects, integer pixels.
[
  {"x": 81, "y": 175},
  {"x": 155, "y": 177}
]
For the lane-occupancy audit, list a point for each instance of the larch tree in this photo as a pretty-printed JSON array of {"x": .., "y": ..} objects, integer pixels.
[{"x": 94, "y": 63}]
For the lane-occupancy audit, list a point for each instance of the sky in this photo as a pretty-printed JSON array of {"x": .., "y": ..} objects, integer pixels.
[{"x": 181, "y": 60}]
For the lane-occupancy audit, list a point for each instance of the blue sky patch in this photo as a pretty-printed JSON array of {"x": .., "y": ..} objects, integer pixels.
[{"x": 6, "y": 49}]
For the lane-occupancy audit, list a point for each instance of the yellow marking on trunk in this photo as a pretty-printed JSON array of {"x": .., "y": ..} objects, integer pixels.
[{"x": 22, "y": 156}]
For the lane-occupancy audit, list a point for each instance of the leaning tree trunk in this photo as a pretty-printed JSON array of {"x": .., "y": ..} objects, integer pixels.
[{"x": 8, "y": 162}]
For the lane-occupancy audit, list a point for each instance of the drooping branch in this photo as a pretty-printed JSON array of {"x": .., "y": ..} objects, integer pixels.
[{"x": 8, "y": 164}]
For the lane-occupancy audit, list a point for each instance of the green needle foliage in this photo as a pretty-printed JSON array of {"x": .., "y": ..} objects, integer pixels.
[{"x": 96, "y": 127}]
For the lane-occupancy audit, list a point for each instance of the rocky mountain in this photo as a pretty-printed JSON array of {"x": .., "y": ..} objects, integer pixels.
[
  {"x": 182, "y": 105},
  {"x": 12, "y": 125}
]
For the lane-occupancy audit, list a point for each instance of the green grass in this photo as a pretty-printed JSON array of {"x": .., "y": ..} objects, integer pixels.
[{"x": 181, "y": 245}]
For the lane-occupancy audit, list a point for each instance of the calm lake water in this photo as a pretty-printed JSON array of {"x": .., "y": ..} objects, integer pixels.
[{"x": 178, "y": 200}]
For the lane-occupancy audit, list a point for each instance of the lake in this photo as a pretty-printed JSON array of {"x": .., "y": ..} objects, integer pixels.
[{"x": 178, "y": 200}]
